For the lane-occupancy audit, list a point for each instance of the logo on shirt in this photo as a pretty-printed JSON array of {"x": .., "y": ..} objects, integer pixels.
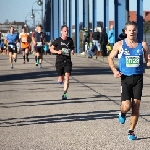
[
  {"x": 126, "y": 52},
  {"x": 64, "y": 44}
]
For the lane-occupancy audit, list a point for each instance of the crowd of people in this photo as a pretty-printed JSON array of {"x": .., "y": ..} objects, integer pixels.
[{"x": 99, "y": 41}]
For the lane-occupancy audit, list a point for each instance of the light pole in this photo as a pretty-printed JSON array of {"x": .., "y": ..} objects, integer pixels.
[
  {"x": 40, "y": 3},
  {"x": 25, "y": 23}
]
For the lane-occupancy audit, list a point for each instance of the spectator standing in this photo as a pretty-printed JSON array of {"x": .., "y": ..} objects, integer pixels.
[
  {"x": 111, "y": 37},
  {"x": 122, "y": 36},
  {"x": 103, "y": 42},
  {"x": 86, "y": 36},
  {"x": 95, "y": 38}
]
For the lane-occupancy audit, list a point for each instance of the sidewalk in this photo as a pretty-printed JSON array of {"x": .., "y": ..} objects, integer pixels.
[{"x": 105, "y": 60}]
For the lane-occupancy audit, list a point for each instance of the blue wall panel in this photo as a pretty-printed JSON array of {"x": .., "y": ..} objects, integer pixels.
[
  {"x": 120, "y": 19},
  {"x": 140, "y": 19},
  {"x": 77, "y": 30}
]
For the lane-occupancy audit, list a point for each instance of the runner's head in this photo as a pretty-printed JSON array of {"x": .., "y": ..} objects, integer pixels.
[
  {"x": 64, "y": 31},
  {"x": 39, "y": 28},
  {"x": 11, "y": 29},
  {"x": 23, "y": 29},
  {"x": 131, "y": 30}
]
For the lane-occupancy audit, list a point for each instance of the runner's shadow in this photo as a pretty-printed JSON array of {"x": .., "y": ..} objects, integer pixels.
[{"x": 143, "y": 138}]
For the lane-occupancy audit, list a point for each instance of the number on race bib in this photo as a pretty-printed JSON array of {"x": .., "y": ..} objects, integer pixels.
[
  {"x": 132, "y": 61},
  {"x": 24, "y": 39},
  {"x": 65, "y": 51},
  {"x": 39, "y": 43},
  {"x": 12, "y": 46}
]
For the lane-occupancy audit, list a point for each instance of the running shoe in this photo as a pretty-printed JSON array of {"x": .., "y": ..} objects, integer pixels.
[
  {"x": 64, "y": 96},
  {"x": 40, "y": 66},
  {"x": 122, "y": 119},
  {"x": 131, "y": 135},
  {"x": 11, "y": 67}
]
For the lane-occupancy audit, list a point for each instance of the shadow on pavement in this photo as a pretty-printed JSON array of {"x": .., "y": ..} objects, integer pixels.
[
  {"x": 143, "y": 138},
  {"x": 29, "y": 75},
  {"x": 42, "y": 74},
  {"x": 58, "y": 118},
  {"x": 49, "y": 102}
]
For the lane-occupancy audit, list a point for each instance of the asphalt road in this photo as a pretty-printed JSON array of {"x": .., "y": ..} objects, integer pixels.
[{"x": 33, "y": 116}]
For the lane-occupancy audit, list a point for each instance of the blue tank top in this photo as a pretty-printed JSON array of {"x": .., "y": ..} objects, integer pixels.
[
  {"x": 131, "y": 59},
  {"x": 12, "y": 38}
]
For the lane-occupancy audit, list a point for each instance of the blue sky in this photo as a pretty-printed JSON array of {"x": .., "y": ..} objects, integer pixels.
[{"x": 18, "y": 9}]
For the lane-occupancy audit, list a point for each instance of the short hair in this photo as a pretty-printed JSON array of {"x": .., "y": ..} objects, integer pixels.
[
  {"x": 63, "y": 26},
  {"x": 40, "y": 26},
  {"x": 11, "y": 26},
  {"x": 23, "y": 27},
  {"x": 130, "y": 23}
]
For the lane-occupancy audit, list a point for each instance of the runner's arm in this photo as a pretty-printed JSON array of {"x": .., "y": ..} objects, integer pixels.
[
  {"x": 146, "y": 51},
  {"x": 112, "y": 55},
  {"x": 52, "y": 50},
  {"x": 33, "y": 40}
]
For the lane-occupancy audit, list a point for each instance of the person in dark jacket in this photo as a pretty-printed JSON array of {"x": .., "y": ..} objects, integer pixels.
[
  {"x": 122, "y": 36},
  {"x": 95, "y": 38},
  {"x": 86, "y": 36},
  {"x": 103, "y": 42}
]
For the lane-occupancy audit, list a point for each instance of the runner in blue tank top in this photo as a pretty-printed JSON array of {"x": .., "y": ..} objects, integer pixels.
[
  {"x": 12, "y": 39},
  {"x": 131, "y": 53}
]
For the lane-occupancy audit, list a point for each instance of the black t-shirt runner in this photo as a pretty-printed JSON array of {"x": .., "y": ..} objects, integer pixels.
[
  {"x": 66, "y": 46},
  {"x": 39, "y": 37}
]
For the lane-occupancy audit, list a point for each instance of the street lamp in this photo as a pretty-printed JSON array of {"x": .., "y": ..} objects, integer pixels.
[
  {"x": 32, "y": 15},
  {"x": 40, "y": 3}
]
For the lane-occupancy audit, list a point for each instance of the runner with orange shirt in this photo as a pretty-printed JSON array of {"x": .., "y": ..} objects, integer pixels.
[{"x": 24, "y": 38}]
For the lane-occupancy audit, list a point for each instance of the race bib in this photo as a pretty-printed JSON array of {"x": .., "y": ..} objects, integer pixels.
[
  {"x": 65, "y": 51},
  {"x": 24, "y": 39},
  {"x": 12, "y": 46},
  {"x": 132, "y": 61},
  {"x": 39, "y": 43}
]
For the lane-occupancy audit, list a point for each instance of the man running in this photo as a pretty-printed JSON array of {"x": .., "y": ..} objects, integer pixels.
[
  {"x": 12, "y": 39},
  {"x": 38, "y": 41},
  {"x": 24, "y": 38},
  {"x": 131, "y": 72},
  {"x": 62, "y": 47}
]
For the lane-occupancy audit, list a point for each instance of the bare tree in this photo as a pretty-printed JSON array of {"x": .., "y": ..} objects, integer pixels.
[{"x": 6, "y": 21}]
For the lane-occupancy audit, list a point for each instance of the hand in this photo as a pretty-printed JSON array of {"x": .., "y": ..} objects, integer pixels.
[
  {"x": 148, "y": 64},
  {"x": 72, "y": 52},
  {"x": 59, "y": 52},
  {"x": 34, "y": 43},
  {"x": 117, "y": 74}
]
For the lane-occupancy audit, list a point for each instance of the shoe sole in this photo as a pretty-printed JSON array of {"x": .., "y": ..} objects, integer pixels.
[{"x": 132, "y": 139}]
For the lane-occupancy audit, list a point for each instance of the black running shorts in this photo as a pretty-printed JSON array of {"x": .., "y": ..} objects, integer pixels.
[
  {"x": 131, "y": 87},
  {"x": 63, "y": 67},
  {"x": 39, "y": 50},
  {"x": 23, "y": 49},
  {"x": 12, "y": 49}
]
